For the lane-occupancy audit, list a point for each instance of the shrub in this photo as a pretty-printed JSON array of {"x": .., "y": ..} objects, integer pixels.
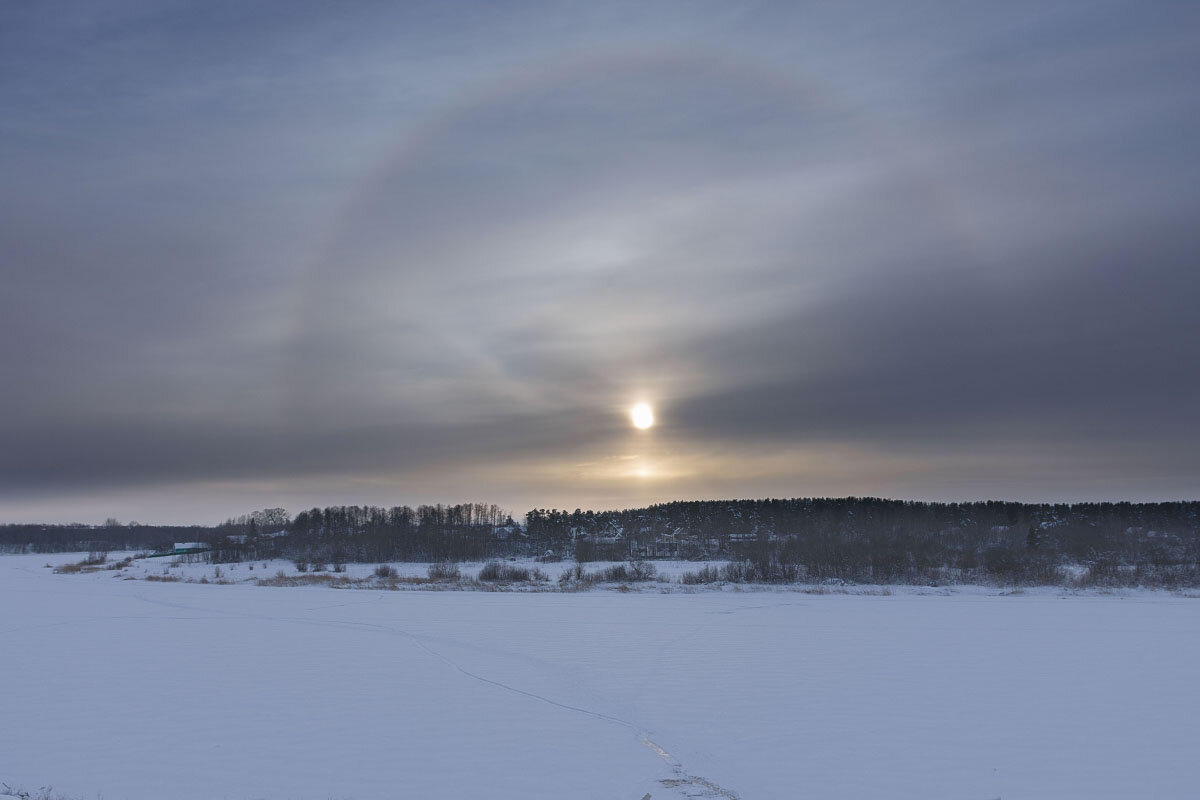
[
  {"x": 90, "y": 564},
  {"x": 642, "y": 571},
  {"x": 744, "y": 572},
  {"x": 615, "y": 574},
  {"x": 495, "y": 571},
  {"x": 301, "y": 565},
  {"x": 737, "y": 572},
  {"x": 94, "y": 560},
  {"x": 577, "y": 578},
  {"x": 444, "y": 571},
  {"x": 385, "y": 571},
  {"x": 707, "y": 574},
  {"x": 522, "y": 574},
  {"x": 628, "y": 573},
  {"x": 760, "y": 572}
]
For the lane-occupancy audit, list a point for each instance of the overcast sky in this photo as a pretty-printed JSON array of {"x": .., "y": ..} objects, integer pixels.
[{"x": 299, "y": 254}]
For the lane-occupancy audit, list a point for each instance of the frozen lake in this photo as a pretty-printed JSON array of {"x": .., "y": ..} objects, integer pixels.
[{"x": 140, "y": 691}]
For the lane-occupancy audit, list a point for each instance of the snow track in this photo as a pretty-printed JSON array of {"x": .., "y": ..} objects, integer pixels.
[
  {"x": 682, "y": 780},
  {"x": 682, "y": 777},
  {"x": 686, "y": 781}
]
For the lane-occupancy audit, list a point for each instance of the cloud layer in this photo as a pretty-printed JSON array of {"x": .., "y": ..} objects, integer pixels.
[{"x": 303, "y": 255}]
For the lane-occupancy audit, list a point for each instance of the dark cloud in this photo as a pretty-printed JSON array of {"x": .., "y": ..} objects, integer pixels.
[
  {"x": 254, "y": 255},
  {"x": 1097, "y": 346}
]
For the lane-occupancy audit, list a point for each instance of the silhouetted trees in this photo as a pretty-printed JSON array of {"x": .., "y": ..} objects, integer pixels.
[
  {"x": 860, "y": 539},
  {"x": 866, "y": 539}
]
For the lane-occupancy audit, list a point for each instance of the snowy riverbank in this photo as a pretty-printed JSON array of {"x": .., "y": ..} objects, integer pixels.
[{"x": 142, "y": 690}]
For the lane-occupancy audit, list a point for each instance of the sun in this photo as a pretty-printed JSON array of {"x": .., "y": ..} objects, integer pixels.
[{"x": 643, "y": 416}]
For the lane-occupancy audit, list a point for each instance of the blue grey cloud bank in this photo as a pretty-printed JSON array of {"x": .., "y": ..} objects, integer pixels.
[{"x": 302, "y": 253}]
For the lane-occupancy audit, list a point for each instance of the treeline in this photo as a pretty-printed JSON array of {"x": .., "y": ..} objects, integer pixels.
[
  {"x": 341, "y": 534},
  {"x": 872, "y": 540},
  {"x": 336, "y": 534},
  {"x": 866, "y": 540},
  {"x": 38, "y": 538}
]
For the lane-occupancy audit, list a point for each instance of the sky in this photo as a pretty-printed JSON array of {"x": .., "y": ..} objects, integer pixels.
[{"x": 300, "y": 253}]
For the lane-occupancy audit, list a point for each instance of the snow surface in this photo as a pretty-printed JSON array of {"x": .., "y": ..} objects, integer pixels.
[{"x": 134, "y": 690}]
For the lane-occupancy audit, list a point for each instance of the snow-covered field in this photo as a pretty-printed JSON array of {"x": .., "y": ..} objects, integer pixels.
[{"x": 136, "y": 690}]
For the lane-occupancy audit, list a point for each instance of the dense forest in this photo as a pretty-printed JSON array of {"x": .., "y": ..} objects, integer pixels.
[
  {"x": 821, "y": 539},
  {"x": 876, "y": 540}
]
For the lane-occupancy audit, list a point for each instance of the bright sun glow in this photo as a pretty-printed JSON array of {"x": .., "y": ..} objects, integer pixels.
[{"x": 643, "y": 416}]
